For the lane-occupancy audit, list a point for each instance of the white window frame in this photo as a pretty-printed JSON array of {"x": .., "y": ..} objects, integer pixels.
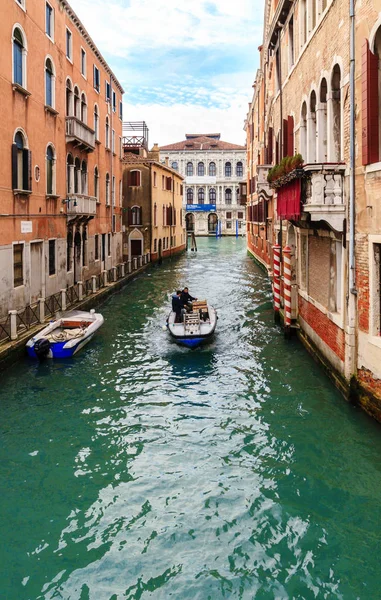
[
  {"x": 24, "y": 56},
  {"x": 95, "y": 68},
  {"x": 83, "y": 62},
  {"x": 52, "y": 22},
  {"x": 53, "y": 104},
  {"x": 69, "y": 58},
  {"x": 113, "y": 97},
  {"x": 113, "y": 141},
  {"x": 21, "y": 4},
  {"x": 54, "y": 170},
  {"x": 113, "y": 183}
]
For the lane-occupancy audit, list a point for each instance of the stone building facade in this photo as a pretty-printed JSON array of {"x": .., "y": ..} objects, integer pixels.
[
  {"x": 325, "y": 213},
  {"x": 214, "y": 172},
  {"x": 61, "y": 144},
  {"x": 153, "y": 221}
]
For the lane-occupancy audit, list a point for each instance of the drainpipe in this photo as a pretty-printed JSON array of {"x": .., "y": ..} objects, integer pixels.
[
  {"x": 352, "y": 276},
  {"x": 350, "y": 333}
]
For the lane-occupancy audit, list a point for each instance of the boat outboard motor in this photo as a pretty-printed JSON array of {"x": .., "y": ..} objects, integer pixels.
[{"x": 42, "y": 348}]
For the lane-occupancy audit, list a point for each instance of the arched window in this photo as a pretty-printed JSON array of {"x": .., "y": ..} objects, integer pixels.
[
  {"x": 96, "y": 183},
  {"x": 136, "y": 215},
  {"x": 107, "y": 189},
  {"x": 311, "y": 130},
  {"x": 21, "y": 164},
  {"x": 228, "y": 169},
  {"x": 107, "y": 134},
  {"x": 69, "y": 174},
  {"x": 175, "y": 165},
  {"x": 212, "y": 169},
  {"x": 239, "y": 169},
  {"x": 69, "y": 99},
  {"x": 200, "y": 169},
  {"x": 77, "y": 174},
  {"x": 336, "y": 115},
  {"x": 201, "y": 196},
  {"x": 77, "y": 103},
  {"x": 96, "y": 122},
  {"x": 189, "y": 196},
  {"x": 83, "y": 109},
  {"x": 303, "y": 131},
  {"x": 322, "y": 123},
  {"x": 84, "y": 177},
  {"x": 189, "y": 169},
  {"x": 50, "y": 170},
  {"x": 49, "y": 83},
  {"x": 228, "y": 196},
  {"x": 155, "y": 215},
  {"x": 212, "y": 196},
  {"x": 237, "y": 194},
  {"x": 19, "y": 57}
]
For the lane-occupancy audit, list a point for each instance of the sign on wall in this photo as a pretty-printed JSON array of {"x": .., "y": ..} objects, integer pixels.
[{"x": 26, "y": 227}]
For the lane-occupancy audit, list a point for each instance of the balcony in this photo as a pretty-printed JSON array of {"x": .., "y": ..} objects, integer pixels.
[
  {"x": 280, "y": 16},
  {"x": 201, "y": 180},
  {"x": 200, "y": 207},
  {"x": 80, "y": 204},
  {"x": 324, "y": 198},
  {"x": 79, "y": 134}
]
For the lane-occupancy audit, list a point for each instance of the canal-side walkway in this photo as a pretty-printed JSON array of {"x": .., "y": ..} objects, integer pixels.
[{"x": 23, "y": 324}]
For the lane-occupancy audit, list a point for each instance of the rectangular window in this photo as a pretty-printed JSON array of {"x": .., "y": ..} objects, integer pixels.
[
  {"x": 109, "y": 244},
  {"x": 135, "y": 178},
  {"x": 83, "y": 62},
  {"x": 69, "y": 45},
  {"x": 291, "y": 43},
  {"x": 96, "y": 247},
  {"x": 113, "y": 141},
  {"x": 121, "y": 110},
  {"x": 18, "y": 267},
  {"x": 97, "y": 79},
  {"x": 113, "y": 101},
  {"x": 49, "y": 24},
  {"x": 107, "y": 91},
  {"x": 228, "y": 215},
  {"x": 163, "y": 182},
  {"x": 155, "y": 245},
  {"x": 240, "y": 215},
  {"x": 154, "y": 179},
  {"x": 120, "y": 192},
  {"x": 113, "y": 190},
  {"x": 52, "y": 257},
  {"x": 228, "y": 224}
]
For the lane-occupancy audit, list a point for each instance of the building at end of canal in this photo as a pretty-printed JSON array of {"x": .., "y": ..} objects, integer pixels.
[
  {"x": 153, "y": 220},
  {"x": 214, "y": 199}
]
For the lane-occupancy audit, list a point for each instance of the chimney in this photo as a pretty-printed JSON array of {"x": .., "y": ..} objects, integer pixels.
[
  {"x": 167, "y": 161},
  {"x": 154, "y": 153}
]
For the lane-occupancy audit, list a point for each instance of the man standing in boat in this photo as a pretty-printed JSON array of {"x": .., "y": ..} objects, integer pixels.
[
  {"x": 178, "y": 306},
  {"x": 187, "y": 299}
]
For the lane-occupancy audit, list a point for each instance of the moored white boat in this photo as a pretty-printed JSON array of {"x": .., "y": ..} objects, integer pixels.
[
  {"x": 65, "y": 336},
  {"x": 196, "y": 327}
]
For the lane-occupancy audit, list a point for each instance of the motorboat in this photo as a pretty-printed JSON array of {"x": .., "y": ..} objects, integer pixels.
[
  {"x": 196, "y": 327},
  {"x": 65, "y": 336}
]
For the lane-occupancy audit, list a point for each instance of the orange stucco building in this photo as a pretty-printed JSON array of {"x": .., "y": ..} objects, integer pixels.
[{"x": 61, "y": 145}]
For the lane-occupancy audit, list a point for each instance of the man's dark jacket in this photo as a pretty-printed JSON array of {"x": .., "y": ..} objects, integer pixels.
[
  {"x": 177, "y": 304},
  {"x": 186, "y": 298}
]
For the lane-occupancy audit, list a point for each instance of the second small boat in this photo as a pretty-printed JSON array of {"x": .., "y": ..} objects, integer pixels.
[{"x": 197, "y": 326}]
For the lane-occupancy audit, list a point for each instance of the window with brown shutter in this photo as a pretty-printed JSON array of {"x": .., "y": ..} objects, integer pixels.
[
  {"x": 169, "y": 183},
  {"x": 285, "y": 138},
  {"x": 370, "y": 109},
  {"x": 18, "y": 270},
  {"x": 290, "y": 136},
  {"x": 135, "y": 178}
]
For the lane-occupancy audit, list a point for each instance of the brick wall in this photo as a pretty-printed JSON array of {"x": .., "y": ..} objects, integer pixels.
[
  {"x": 330, "y": 333},
  {"x": 362, "y": 280}
]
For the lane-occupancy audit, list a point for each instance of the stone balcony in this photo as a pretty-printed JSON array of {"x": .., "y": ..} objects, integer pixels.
[
  {"x": 81, "y": 205},
  {"x": 79, "y": 134},
  {"x": 263, "y": 186},
  {"x": 324, "y": 198}
]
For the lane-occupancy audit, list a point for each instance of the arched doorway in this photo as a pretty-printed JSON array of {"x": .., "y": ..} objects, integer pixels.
[
  {"x": 212, "y": 223},
  {"x": 189, "y": 220},
  {"x": 135, "y": 244}
]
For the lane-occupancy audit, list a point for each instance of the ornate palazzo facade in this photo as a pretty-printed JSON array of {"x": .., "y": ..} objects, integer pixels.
[{"x": 213, "y": 171}]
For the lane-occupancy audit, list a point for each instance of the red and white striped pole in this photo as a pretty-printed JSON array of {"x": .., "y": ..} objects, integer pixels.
[
  {"x": 287, "y": 286},
  {"x": 276, "y": 280}
]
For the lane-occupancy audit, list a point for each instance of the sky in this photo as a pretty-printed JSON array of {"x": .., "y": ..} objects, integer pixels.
[{"x": 186, "y": 66}]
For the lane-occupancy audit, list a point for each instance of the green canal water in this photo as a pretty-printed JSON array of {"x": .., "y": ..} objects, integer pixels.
[{"x": 144, "y": 470}]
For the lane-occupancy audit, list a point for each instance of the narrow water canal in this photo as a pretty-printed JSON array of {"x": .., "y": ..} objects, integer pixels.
[{"x": 144, "y": 470}]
